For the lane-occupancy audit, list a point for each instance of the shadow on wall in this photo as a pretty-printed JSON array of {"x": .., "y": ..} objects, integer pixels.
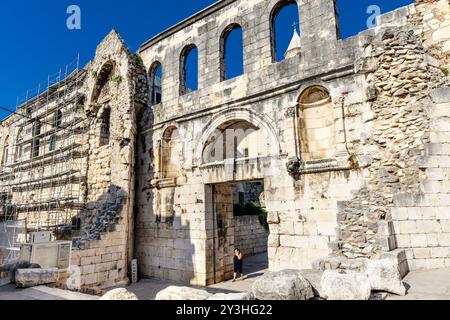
[
  {"x": 163, "y": 244},
  {"x": 101, "y": 215}
]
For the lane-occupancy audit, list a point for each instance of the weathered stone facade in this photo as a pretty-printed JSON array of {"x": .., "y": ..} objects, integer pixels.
[{"x": 350, "y": 138}]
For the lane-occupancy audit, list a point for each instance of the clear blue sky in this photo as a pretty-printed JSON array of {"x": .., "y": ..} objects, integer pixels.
[{"x": 36, "y": 42}]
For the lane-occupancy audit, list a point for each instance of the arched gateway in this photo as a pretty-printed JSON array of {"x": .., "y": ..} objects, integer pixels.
[{"x": 235, "y": 156}]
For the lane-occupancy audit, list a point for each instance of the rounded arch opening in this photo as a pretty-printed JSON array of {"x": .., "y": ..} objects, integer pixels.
[
  {"x": 189, "y": 69},
  {"x": 155, "y": 74},
  {"x": 284, "y": 18},
  {"x": 103, "y": 78},
  {"x": 231, "y": 52}
]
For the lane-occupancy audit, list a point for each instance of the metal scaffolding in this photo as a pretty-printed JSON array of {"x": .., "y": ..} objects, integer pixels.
[{"x": 41, "y": 181}]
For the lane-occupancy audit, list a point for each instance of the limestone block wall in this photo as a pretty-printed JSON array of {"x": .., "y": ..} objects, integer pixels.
[
  {"x": 101, "y": 263},
  {"x": 302, "y": 210},
  {"x": 435, "y": 18},
  {"x": 422, "y": 221},
  {"x": 117, "y": 92},
  {"x": 249, "y": 235}
]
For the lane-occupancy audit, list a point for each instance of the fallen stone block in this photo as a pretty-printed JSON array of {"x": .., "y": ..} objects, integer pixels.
[
  {"x": 119, "y": 294},
  {"x": 183, "y": 293},
  {"x": 244, "y": 296},
  {"x": 385, "y": 276},
  {"x": 27, "y": 278},
  {"x": 345, "y": 286},
  {"x": 20, "y": 265},
  {"x": 283, "y": 285},
  {"x": 314, "y": 277}
]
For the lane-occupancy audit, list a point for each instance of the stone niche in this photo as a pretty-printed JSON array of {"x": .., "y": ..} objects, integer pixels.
[{"x": 316, "y": 125}]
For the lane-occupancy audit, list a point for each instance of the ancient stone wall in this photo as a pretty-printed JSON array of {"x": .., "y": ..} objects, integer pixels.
[
  {"x": 117, "y": 93},
  {"x": 250, "y": 236},
  {"x": 350, "y": 139},
  {"x": 302, "y": 212}
]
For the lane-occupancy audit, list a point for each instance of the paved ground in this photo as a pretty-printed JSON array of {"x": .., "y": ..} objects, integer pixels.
[
  {"x": 427, "y": 285},
  {"x": 422, "y": 285},
  {"x": 10, "y": 292},
  {"x": 254, "y": 267}
]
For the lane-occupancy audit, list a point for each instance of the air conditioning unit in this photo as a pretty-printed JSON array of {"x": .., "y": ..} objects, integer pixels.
[{"x": 47, "y": 254}]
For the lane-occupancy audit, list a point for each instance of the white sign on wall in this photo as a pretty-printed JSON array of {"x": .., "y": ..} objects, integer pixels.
[{"x": 134, "y": 271}]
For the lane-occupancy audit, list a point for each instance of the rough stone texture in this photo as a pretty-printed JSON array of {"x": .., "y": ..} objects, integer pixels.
[
  {"x": 385, "y": 276},
  {"x": 119, "y": 294},
  {"x": 232, "y": 297},
  {"x": 283, "y": 285},
  {"x": 27, "y": 278},
  {"x": 351, "y": 138},
  {"x": 314, "y": 277},
  {"x": 183, "y": 293},
  {"x": 345, "y": 286},
  {"x": 20, "y": 265}
]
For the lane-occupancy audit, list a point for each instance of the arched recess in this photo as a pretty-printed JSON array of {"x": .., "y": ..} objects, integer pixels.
[
  {"x": 281, "y": 27},
  {"x": 103, "y": 84},
  {"x": 231, "y": 52},
  {"x": 170, "y": 153},
  {"x": 155, "y": 76},
  {"x": 238, "y": 117},
  {"x": 188, "y": 69},
  {"x": 101, "y": 97},
  {"x": 317, "y": 129}
]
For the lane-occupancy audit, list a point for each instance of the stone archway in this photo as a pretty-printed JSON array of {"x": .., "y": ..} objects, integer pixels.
[{"x": 235, "y": 157}]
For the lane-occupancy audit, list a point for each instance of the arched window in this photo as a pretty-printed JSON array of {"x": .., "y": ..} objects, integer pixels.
[
  {"x": 236, "y": 139},
  {"x": 5, "y": 151},
  {"x": 189, "y": 69},
  {"x": 104, "y": 87},
  {"x": 156, "y": 83},
  {"x": 36, "y": 143},
  {"x": 284, "y": 18},
  {"x": 171, "y": 153},
  {"x": 105, "y": 127},
  {"x": 232, "y": 52},
  {"x": 317, "y": 124},
  {"x": 104, "y": 84}
]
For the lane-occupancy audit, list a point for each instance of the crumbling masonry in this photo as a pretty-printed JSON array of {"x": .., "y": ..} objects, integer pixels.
[{"x": 350, "y": 139}]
